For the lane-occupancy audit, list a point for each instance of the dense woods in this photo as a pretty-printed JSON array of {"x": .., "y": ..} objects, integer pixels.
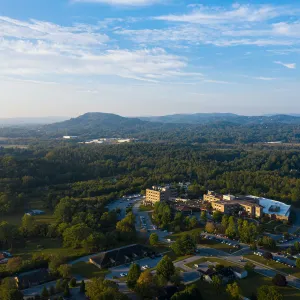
[{"x": 105, "y": 172}]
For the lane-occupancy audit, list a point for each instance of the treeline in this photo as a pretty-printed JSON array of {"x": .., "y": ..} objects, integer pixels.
[
  {"x": 217, "y": 132},
  {"x": 78, "y": 224},
  {"x": 104, "y": 173}
]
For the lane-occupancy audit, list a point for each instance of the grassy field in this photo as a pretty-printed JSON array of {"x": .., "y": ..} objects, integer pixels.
[
  {"x": 255, "y": 280},
  {"x": 146, "y": 208},
  {"x": 88, "y": 270},
  {"x": 217, "y": 245},
  {"x": 282, "y": 228},
  {"x": 208, "y": 292},
  {"x": 175, "y": 257},
  {"x": 160, "y": 247},
  {"x": 269, "y": 227},
  {"x": 16, "y": 218},
  {"x": 274, "y": 265},
  {"x": 174, "y": 236},
  {"x": 47, "y": 246},
  {"x": 248, "y": 285}
]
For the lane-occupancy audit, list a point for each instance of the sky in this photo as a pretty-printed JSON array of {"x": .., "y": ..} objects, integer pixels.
[{"x": 148, "y": 57}]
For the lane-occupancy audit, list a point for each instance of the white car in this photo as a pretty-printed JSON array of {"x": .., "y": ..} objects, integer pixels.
[
  {"x": 145, "y": 267},
  {"x": 123, "y": 274}
]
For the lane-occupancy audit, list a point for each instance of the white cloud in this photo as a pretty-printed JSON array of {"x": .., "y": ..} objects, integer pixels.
[
  {"x": 287, "y": 65},
  {"x": 77, "y": 35},
  {"x": 264, "y": 78},
  {"x": 238, "y": 13},
  {"x": 287, "y": 29},
  {"x": 217, "y": 81},
  {"x": 120, "y": 2},
  {"x": 21, "y": 58},
  {"x": 255, "y": 25},
  {"x": 38, "y": 49}
]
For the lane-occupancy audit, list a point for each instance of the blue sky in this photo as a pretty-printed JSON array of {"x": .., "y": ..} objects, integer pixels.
[{"x": 148, "y": 57}]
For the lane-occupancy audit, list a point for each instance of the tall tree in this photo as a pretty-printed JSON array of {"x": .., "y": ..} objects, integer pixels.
[
  {"x": 234, "y": 291},
  {"x": 153, "y": 239},
  {"x": 133, "y": 275},
  {"x": 165, "y": 268},
  {"x": 268, "y": 292}
]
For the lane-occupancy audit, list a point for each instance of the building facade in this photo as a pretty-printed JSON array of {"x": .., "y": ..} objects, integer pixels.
[
  {"x": 254, "y": 207},
  {"x": 211, "y": 196},
  {"x": 158, "y": 193}
]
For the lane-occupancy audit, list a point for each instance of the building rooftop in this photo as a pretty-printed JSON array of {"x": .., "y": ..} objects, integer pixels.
[
  {"x": 273, "y": 206},
  {"x": 120, "y": 256}
]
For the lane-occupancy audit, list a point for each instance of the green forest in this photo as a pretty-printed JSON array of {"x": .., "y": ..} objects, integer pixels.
[{"x": 105, "y": 172}]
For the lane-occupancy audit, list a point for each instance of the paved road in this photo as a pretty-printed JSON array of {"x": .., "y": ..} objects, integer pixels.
[
  {"x": 122, "y": 204},
  {"x": 150, "y": 229}
]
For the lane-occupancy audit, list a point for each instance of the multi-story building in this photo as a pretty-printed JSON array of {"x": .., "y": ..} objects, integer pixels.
[
  {"x": 225, "y": 207},
  {"x": 158, "y": 193},
  {"x": 211, "y": 196},
  {"x": 253, "y": 206}
]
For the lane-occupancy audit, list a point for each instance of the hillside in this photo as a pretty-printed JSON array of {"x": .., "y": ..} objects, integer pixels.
[
  {"x": 97, "y": 124},
  {"x": 196, "y": 128},
  {"x": 209, "y": 118}
]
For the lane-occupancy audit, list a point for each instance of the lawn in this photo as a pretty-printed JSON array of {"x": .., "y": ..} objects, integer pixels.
[
  {"x": 269, "y": 227},
  {"x": 282, "y": 228},
  {"x": 88, "y": 270},
  {"x": 174, "y": 236},
  {"x": 176, "y": 258},
  {"x": 160, "y": 247},
  {"x": 47, "y": 246},
  {"x": 256, "y": 280},
  {"x": 146, "y": 208},
  {"x": 217, "y": 245},
  {"x": 274, "y": 265},
  {"x": 16, "y": 218},
  {"x": 208, "y": 291},
  {"x": 248, "y": 285}
]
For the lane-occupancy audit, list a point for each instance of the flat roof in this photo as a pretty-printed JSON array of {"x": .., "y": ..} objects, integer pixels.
[{"x": 284, "y": 209}]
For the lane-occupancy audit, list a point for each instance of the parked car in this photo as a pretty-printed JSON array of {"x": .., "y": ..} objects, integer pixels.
[{"x": 145, "y": 267}]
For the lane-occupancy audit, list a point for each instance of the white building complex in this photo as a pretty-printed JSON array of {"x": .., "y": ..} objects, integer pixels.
[{"x": 273, "y": 207}]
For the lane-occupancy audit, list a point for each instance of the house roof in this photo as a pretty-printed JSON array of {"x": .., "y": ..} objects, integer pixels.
[
  {"x": 120, "y": 255},
  {"x": 33, "y": 277}
]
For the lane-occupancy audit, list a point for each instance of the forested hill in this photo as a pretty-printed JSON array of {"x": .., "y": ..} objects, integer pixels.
[
  {"x": 99, "y": 122},
  {"x": 215, "y": 128},
  {"x": 222, "y": 128},
  {"x": 210, "y": 118}
]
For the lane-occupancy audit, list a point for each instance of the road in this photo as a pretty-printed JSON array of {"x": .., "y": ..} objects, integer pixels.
[
  {"x": 122, "y": 204},
  {"x": 150, "y": 229}
]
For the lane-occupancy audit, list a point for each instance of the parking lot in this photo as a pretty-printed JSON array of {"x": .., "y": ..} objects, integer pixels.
[
  {"x": 221, "y": 242},
  {"x": 143, "y": 220},
  {"x": 278, "y": 257},
  {"x": 117, "y": 271},
  {"x": 123, "y": 203}
]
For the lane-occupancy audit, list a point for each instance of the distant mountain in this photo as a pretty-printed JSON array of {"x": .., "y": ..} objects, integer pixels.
[
  {"x": 98, "y": 124},
  {"x": 30, "y": 121},
  {"x": 213, "y": 118},
  {"x": 195, "y": 128}
]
